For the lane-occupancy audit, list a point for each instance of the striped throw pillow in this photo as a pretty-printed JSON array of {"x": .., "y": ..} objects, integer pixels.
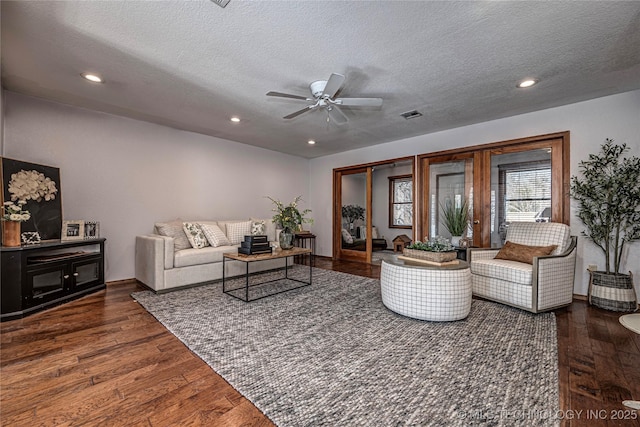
[{"x": 214, "y": 235}]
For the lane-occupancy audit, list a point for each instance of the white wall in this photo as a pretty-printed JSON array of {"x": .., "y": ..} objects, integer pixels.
[
  {"x": 128, "y": 174},
  {"x": 589, "y": 122}
]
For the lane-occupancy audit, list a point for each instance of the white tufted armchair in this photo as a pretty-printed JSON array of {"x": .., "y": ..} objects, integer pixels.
[{"x": 544, "y": 285}]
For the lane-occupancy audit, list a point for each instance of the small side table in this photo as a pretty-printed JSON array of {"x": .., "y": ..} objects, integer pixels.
[{"x": 304, "y": 240}]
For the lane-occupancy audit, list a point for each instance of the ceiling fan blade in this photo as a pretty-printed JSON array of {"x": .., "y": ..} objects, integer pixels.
[
  {"x": 287, "y": 95},
  {"x": 297, "y": 113},
  {"x": 334, "y": 84},
  {"x": 337, "y": 115},
  {"x": 359, "y": 102}
]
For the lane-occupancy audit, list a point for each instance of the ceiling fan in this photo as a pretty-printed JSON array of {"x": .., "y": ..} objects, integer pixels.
[{"x": 323, "y": 92}]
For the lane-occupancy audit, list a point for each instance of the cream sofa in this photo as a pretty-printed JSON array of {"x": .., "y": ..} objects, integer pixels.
[
  {"x": 544, "y": 285},
  {"x": 161, "y": 267}
]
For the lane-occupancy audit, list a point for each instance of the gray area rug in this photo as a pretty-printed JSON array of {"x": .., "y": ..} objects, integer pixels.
[{"x": 332, "y": 354}]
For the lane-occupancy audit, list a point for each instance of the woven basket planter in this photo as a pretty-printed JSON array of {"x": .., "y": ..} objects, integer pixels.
[
  {"x": 430, "y": 256},
  {"x": 612, "y": 291}
]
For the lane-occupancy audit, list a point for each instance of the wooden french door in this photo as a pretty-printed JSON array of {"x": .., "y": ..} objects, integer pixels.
[
  {"x": 519, "y": 180},
  {"x": 367, "y": 186},
  {"x": 352, "y": 187}
]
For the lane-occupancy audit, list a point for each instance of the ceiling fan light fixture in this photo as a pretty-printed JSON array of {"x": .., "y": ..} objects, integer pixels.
[
  {"x": 527, "y": 83},
  {"x": 411, "y": 114},
  {"x": 92, "y": 77}
]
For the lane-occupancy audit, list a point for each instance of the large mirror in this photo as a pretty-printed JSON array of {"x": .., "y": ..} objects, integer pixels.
[{"x": 373, "y": 207}]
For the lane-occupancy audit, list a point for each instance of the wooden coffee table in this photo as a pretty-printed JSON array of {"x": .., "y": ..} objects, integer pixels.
[{"x": 248, "y": 259}]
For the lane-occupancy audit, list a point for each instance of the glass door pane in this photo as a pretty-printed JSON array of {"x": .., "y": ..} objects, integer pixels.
[
  {"x": 354, "y": 202},
  {"x": 450, "y": 185},
  {"x": 521, "y": 190}
]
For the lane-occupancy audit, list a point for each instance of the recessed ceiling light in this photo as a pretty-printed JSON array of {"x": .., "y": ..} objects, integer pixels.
[
  {"x": 93, "y": 78},
  {"x": 235, "y": 119},
  {"x": 311, "y": 142},
  {"x": 527, "y": 83}
]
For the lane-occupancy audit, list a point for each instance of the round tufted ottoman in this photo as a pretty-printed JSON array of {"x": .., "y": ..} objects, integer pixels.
[{"x": 438, "y": 294}]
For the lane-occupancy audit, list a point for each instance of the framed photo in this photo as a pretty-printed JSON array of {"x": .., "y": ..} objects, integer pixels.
[
  {"x": 91, "y": 229},
  {"x": 39, "y": 186},
  {"x": 72, "y": 230}
]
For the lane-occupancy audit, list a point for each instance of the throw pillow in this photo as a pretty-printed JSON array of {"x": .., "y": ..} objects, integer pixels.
[
  {"x": 175, "y": 230},
  {"x": 257, "y": 228},
  {"x": 237, "y": 230},
  {"x": 214, "y": 235},
  {"x": 195, "y": 235},
  {"x": 347, "y": 237},
  {"x": 523, "y": 253},
  {"x": 269, "y": 227}
]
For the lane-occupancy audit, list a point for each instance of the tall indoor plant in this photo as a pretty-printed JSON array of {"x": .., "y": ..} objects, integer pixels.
[{"x": 608, "y": 197}]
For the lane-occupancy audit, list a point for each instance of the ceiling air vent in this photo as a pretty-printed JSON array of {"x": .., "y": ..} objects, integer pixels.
[
  {"x": 221, "y": 3},
  {"x": 411, "y": 114}
]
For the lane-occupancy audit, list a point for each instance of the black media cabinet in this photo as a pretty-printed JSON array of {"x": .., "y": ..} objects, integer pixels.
[{"x": 40, "y": 276}]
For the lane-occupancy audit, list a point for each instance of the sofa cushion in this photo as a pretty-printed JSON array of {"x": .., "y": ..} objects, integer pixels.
[
  {"x": 174, "y": 230},
  {"x": 195, "y": 235},
  {"x": 523, "y": 253},
  {"x": 206, "y": 255},
  {"x": 510, "y": 271},
  {"x": 214, "y": 235},
  {"x": 237, "y": 230}
]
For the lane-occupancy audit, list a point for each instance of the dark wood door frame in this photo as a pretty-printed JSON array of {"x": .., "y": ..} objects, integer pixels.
[
  {"x": 338, "y": 252},
  {"x": 481, "y": 154}
]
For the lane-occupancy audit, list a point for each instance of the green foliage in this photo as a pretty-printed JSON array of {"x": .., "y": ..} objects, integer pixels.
[
  {"x": 289, "y": 217},
  {"x": 608, "y": 195},
  {"x": 352, "y": 213},
  {"x": 455, "y": 219},
  {"x": 437, "y": 244}
]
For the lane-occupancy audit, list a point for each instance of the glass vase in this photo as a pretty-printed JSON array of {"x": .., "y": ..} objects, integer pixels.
[
  {"x": 11, "y": 233},
  {"x": 286, "y": 239}
]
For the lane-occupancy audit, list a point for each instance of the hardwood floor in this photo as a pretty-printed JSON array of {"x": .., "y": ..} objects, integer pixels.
[{"x": 103, "y": 360}]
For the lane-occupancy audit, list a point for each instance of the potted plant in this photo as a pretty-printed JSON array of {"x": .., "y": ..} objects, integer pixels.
[
  {"x": 437, "y": 249},
  {"x": 12, "y": 215},
  {"x": 352, "y": 213},
  {"x": 289, "y": 219},
  {"x": 455, "y": 219},
  {"x": 608, "y": 197}
]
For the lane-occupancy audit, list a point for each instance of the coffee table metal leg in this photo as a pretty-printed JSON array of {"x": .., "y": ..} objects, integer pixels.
[
  {"x": 247, "y": 283},
  {"x": 223, "y": 262},
  {"x": 286, "y": 267}
]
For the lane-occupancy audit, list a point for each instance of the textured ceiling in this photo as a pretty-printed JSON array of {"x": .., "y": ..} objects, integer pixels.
[{"x": 192, "y": 64}]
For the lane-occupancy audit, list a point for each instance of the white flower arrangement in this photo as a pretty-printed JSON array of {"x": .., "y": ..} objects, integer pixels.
[
  {"x": 13, "y": 212},
  {"x": 31, "y": 185}
]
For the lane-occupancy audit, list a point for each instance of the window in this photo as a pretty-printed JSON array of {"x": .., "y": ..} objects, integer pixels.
[
  {"x": 400, "y": 201},
  {"x": 525, "y": 192}
]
